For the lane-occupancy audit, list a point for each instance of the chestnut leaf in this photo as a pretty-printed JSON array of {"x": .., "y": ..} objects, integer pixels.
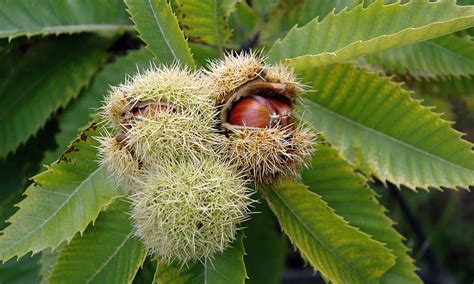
[
  {"x": 159, "y": 29},
  {"x": 383, "y": 131},
  {"x": 265, "y": 247},
  {"x": 62, "y": 201},
  {"x": 290, "y": 13},
  {"x": 226, "y": 267},
  {"x": 331, "y": 177},
  {"x": 106, "y": 252},
  {"x": 444, "y": 57},
  {"x": 45, "y": 79},
  {"x": 361, "y": 31},
  {"x": 31, "y": 17},
  {"x": 341, "y": 252},
  {"x": 447, "y": 56},
  {"x": 452, "y": 87},
  {"x": 205, "y": 21}
]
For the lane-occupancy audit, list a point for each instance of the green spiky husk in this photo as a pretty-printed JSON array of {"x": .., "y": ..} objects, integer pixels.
[
  {"x": 115, "y": 109},
  {"x": 189, "y": 209},
  {"x": 169, "y": 134},
  {"x": 178, "y": 88},
  {"x": 225, "y": 76},
  {"x": 181, "y": 126},
  {"x": 267, "y": 154},
  {"x": 118, "y": 160}
]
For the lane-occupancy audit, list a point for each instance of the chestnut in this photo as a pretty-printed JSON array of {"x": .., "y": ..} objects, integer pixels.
[
  {"x": 258, "y": 104},
  {"x": 260, "y": 112}
]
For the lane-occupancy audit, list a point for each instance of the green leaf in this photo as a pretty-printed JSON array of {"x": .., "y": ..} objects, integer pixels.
[
  {"x": 146, "y": 273},
  {"x": 383, "y": 132},
  {"x": 80, "y": 111},
  {"x": 243, "y": 22},
  {"x": 61, "y": 202},
  {"x": 451, "y": 87},
  {"x": 205, "y": 21},
  {"x": 263, "y": 7},
  {"x": 47, "y": 260},
  {"x": 26, "y": 270},
  {"x": 339, "y": 251},
  {"x": 265, "y": 247},
  {"x": 32, "y": 17},
  {"x": 9, "y": 199},
  {"x": 447, "y": 56},
  {"x": 347, "y": 193},
  {"x": 202, "y": 53},
  {"x": 159, "y": 29},
  {"x": 438, "y": 104},
  {"x": 223, "y": 268},
  {"x": 289, "y": 13},
  {"x": 45, "y": 79},
  {"x": 106, "y": 253},
  {"x": 363, "y": 31},
  {"x": 17, "y": 168},
  {"x": 14, "y": 174}
]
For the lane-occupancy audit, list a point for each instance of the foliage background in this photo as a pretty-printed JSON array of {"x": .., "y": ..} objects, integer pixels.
[{"x": 438, "y": 225}]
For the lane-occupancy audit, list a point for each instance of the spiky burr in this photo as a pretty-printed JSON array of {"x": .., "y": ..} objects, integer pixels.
[{"x": 256, "y": 110}]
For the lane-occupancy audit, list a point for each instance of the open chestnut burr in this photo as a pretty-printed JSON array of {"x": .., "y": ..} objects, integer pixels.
[{"x": 257, "y": 118}]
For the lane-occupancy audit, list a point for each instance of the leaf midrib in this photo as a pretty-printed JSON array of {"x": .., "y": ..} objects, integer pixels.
[
  {"x": 403, "y": 143},
  {"x": 315, "y": 237},
  {"x": 56, "y": 212}
]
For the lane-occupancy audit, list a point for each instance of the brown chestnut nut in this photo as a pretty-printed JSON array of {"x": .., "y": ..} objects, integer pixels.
[{"x": 260, "y": 112}]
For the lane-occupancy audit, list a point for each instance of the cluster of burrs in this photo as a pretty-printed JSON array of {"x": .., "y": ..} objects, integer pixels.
[{"x": 187, "y": 144}]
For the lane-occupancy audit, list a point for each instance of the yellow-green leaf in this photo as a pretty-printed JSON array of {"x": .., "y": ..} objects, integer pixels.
[
  {"x": 342, "y": 253},
  {"x": 361, "y": 31},
  {"x": 222, "y": 268},
  {"x": 443, "y": 57},
  {"x": 32, "y": 17},
  {"x": 347, "y": 193},
  {"x": 205, "y": 21},
  {"x": 106, "y": 252},
  {"x": 62, "y": 201},
  {"x": 159, "y": 29},
  {"x": 383, "y": 132}
]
